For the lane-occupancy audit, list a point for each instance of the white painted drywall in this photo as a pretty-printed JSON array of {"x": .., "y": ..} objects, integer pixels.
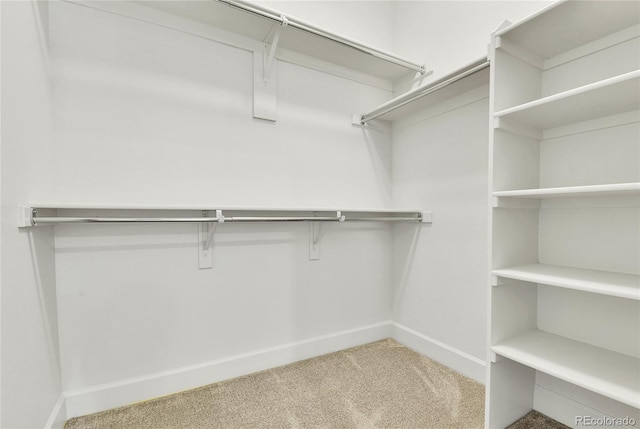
[
  {"x": 148, "y": 115},
  {"x": 451, "y": 34},
  {"x": 30, "y": 369},
  {"x": 440, "y": 162}
]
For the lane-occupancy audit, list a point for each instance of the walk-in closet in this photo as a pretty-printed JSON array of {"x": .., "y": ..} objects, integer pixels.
[{"x": 319, "y": 214}]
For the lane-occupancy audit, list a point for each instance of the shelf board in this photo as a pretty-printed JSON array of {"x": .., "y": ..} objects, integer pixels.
[
  {"x": 435, "y": 92},
  {"x": 614, "y": 375},
  {"x": 256, "y": 27},
  {"x": 575, "y": 23},
  {"x": 208, "y": 207},
  {"x": 602, "y": 282},
  {"x": 608, "y": 97},
  {"x": 613, "y": 189}
]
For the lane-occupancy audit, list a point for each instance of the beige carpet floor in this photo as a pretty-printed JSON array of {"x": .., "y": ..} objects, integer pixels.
[
  {"x": 537, "y": 421},
  {"x": 378, "y": 385}
]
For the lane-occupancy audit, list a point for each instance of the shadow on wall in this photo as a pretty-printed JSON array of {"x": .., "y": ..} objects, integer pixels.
[
  {"x": 405, "y": 239},
  {"x": 41, "y": 247},
  {"x": 378, "y": 141}
]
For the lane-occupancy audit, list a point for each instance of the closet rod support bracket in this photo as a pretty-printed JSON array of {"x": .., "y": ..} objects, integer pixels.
[
  {"x": 316, "y": 232},
  {"x": 206, "y": 231},
  {"x": 270, "y": 57}
]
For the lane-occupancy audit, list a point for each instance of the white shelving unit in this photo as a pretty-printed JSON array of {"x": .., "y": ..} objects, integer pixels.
[{"x": 565, "y": 185}]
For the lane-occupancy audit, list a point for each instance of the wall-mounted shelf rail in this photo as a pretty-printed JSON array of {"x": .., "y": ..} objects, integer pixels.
[
  {"x": 209, "y": 218},
  {"x": 469, "y": 77},
  {"x": 36, "y": 216}
]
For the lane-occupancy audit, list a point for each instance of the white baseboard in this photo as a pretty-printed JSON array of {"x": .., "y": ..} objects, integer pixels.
[
  {"x": 564, "y": 402},
  {"x": 107, "y": 396},
  {"x": 58, "y": 415},
  {"x": 455, "y": 359}
]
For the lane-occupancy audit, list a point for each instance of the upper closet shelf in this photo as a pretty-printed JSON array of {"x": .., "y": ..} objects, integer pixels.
[
  {"x": 609, "y": 97},
  {"x": 568, "y": 20},
  {"x": 260, "y": 23},
  {"x": 462, "y": 80}
]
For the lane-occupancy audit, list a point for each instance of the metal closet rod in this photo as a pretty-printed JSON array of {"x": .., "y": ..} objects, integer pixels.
[
  {"x": 401, "y": 217},
  {"x": 309, "y": 28},
  {"x": 420, "y": 92}
]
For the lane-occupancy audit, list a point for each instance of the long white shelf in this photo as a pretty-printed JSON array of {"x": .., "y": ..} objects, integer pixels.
[
  {"x": 613, "y": 189},
  {"x": 252, "y": 20},
  {"x": 39, "y": 214},
  {"x": 614, "y": 375},
  {"x": 204, "y": 206},
  {"x": 532, "y": 33},
  {"x": 608, "y": 97},
  {"x": 603, "y": 282},
  {"x": 473, "y": 75}
]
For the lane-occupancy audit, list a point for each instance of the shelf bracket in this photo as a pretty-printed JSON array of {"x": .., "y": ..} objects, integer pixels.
[
  {"x": 206, "y": 231},
  {"x": 269, "y": 59},
  {"x": 265, "y": 76},
  {"x": 316, "y": 232},
  {"x": 264, "y": 91}
]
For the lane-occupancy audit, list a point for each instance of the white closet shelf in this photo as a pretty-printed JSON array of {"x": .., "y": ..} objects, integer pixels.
[
  {"x": 608, "y": 97},
  {"x": 257, "y": 22},
  {"x": 471, "y": 76},
  {"x": 602, "y": 282},
  {"x": 613, "y": 189},
  {"x": 533, "y": 33},
  {"x": 614, "y": 375},
  {"x": 39, "y": 214},
  {"x": 206, "y": 206}
]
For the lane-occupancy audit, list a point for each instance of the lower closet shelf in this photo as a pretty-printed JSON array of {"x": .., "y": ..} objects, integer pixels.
[
  {"x": 603, "y": 371},
  {"x": 603, "y": 282}
]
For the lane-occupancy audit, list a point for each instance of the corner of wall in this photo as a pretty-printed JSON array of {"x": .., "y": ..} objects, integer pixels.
[
  {"x": 455, "y": 359},
  {"x": 58, "y": 415}
]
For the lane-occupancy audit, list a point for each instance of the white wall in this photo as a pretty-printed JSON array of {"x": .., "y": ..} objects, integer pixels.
[
  {"x": 448, "y": 35},
  {"x": 440, "y": 163},
  {"x": 148, "y": 115},
  {"x": 31, "y": 387}
]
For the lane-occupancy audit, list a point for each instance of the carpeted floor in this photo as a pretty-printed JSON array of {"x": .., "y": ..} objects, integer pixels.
[
  {"x": 535, "y": 420},
  {"x": 378, "y": 385}
]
